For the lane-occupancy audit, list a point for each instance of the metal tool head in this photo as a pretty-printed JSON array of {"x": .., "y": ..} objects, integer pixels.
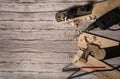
[
  {"x": 61, "y": 16},
  {"x": 73, "y": 12}
]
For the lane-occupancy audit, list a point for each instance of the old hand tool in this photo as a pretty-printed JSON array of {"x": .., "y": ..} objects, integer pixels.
[
  {"x": 73, "y": 12},
  {"x": 93, "y": 50},
  {"x": 93, "y": 44},
  {"x": 106, "y": 21}
]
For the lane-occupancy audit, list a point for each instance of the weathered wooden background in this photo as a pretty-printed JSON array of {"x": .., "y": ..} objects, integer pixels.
[{"x": 32, "y": 44}]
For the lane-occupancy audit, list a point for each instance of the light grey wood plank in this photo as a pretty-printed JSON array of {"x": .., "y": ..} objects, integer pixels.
[
  {"x": 36, "y": 75},
  {"x": 32, "y": 75},
  {"x": 115, "y": 35},
  {"x": 30, "y": 67},
  {"x": 55, "y": 58},
  {"x": 49, "y": 1},
  {"x": 22, "y": 29},
  {"x": 34, "y": 57},
  {"x": 35, "y": 34},
  {"x": 113, "y": 61},
  {"x": 32, "y": 34},
  {"x": 38, "y": 7},
  {"x": 44, "y": 16},
  {"x": 35, "y": 25},
  {"x": 37, "y": 46}
]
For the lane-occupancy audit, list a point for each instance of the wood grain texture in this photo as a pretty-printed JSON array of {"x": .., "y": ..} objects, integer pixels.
[
  {"x": 30, "y": 34},
  {"x": 39, "y": 57},
  {"x": 34, "y": 57},
  {"x": 38, "y": 46},
  {"x": 34, "y": 25},
  {"x": 32, "y": 44},
  {"x": 37, "y": 75},
  {"x": 115, "y": 35},
  {"x": 38, "y": 7},
  {"x": 46, "y": 1},
  {"x": 30, "y": 67},
  {"x": 44, "y": 16}
]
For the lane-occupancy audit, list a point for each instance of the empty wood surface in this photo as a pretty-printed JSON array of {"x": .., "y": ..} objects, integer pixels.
[{"x": 33, "y": 45}]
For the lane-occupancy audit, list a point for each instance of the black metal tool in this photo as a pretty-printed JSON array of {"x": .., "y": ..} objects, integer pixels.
[
  {"x": 73, "y": 12},
  {"x": 106, "y": 21},
  {"x": 66, "y": 69}
]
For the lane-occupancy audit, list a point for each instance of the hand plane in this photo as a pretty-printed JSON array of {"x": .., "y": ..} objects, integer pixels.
[
  {"x": 73, "y": 12},
  {"x": 87, "y": 12}
]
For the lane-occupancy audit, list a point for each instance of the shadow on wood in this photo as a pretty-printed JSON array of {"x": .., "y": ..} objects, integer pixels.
[{"x": 112, "y": 52}]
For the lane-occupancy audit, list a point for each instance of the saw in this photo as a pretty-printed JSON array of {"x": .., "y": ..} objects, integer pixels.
[{"x": 92, "y": 51}]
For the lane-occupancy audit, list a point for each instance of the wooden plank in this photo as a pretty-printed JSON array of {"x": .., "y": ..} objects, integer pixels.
[
  {"x": 43, "y": 25},
  {"x": 30, "y": 67},
  {"x": 35, "y": 25},
  {"x": 37, "y": 75},
  {"x": 45, "y": 1},
  {"x": 38, "y": 7},
  {"x": 37, "y": 46},
  {"x": 32, "y": 75},
  {"x": 31, "y": 34},
  {"x": 27, "y": 34},
  {"x": 113, "y": 74},
  {"x": 113, "y": 61},
  {"x": 32, "y": 57},
  {"x": 45, "y": 30},
  {"x": 44, "y": 16},
  {"x": 42, "y": 58},
  {"x": 109, "y": 34}
]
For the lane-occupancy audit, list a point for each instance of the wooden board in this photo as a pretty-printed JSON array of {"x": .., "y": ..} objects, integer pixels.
[
  {"x": 36, "y": 75},
  {"x": 46, "y": 1},
  {"x": 93, "y": 62},
  {"x": 37, "y": 57},
  {"x": 40, "y": 16},
  {"x": 37, "y": 46},
  {"x": 38, "y": 7}
]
